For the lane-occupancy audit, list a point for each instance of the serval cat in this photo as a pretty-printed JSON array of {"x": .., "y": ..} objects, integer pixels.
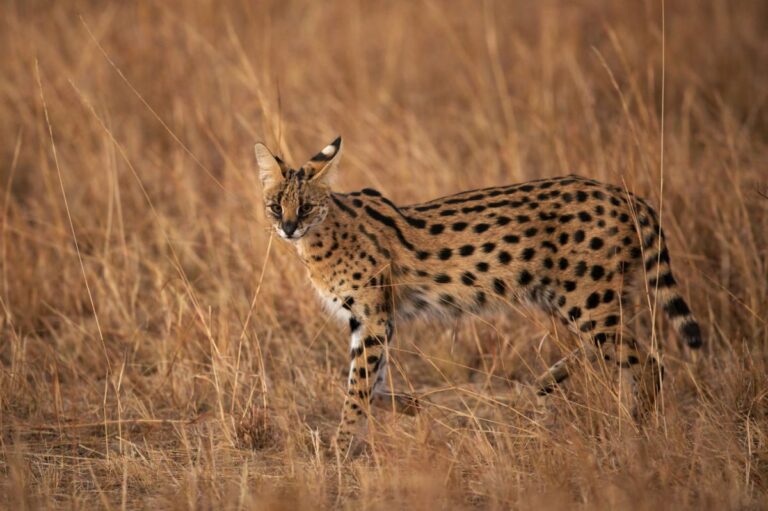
[{"x": 567, "y": 245}]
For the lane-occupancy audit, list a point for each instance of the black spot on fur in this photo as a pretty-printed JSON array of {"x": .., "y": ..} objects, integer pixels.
[
  {"x": 664, "y": 280},
  {"x": 467, "y": 250},
  {"x": 574, "y": 313},
  {"x": 511, "y": 239},
  {"x": 373, "y": 340},
  {"x": 442, "y": 278},
  {"x": 662, "y": 257},
  {"x": 593, "y": 300},
  {"x": 544, "y": 216},
  {"x": 473, "y": 209},
  {"x": 436, "y": 228},
  {"x": 677, "y": 307},
  {"x": 447, "y": 299},
  {"x": 528, "y": 254},
  {"x": 648, "y": 240}
]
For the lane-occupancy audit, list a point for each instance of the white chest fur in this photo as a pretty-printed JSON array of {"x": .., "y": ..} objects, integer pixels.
[{"x": 332, "y": 304}]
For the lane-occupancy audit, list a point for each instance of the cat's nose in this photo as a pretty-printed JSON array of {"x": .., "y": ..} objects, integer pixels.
[{"x": 289, "y": 228}]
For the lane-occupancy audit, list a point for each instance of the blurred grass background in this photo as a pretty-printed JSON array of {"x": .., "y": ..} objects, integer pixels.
[{"x": 158, "y": 349}]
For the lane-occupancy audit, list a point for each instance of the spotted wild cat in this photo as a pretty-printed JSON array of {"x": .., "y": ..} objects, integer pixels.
[{"x": 569, "y": 245}]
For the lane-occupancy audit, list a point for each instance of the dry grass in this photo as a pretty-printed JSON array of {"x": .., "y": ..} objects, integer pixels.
[{"x": 157, "y": 349}]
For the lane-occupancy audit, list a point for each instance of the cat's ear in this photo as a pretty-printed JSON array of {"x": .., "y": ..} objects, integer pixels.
[
  {"x": 322, "y": 166},
  {"x": 271, "y": 168}
]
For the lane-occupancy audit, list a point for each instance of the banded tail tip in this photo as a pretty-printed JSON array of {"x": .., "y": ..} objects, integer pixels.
[
  {"x": 692, "y": 333},
  {"x": 695, "y": 342}
]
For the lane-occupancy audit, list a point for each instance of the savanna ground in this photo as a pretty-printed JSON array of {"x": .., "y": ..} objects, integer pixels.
[{"x": 159, "y": 349}]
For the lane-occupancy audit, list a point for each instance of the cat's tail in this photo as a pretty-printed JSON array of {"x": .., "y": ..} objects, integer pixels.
[{"x": 661, "y": 282}]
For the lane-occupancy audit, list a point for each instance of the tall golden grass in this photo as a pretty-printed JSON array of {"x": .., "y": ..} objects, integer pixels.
[{"x": 159, "y": 349}]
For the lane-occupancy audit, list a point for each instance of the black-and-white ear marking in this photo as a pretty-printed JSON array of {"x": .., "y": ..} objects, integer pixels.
[
  {"x": 271, "y": 168},
  {"x": 328, "y": 151},
  {"x": 322, "y": 164}
]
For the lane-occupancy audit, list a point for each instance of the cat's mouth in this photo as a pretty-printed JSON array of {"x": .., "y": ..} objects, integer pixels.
[{"x": 293, "y": 236}]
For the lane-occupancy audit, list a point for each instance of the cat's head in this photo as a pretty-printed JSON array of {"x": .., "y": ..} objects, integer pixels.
[{"x": 297, "y": 199}]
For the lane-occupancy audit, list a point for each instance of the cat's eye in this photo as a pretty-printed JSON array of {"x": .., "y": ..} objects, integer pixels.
[
  {"x": 305, "y": 209},
  {"x": 276, "y": 208}
]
